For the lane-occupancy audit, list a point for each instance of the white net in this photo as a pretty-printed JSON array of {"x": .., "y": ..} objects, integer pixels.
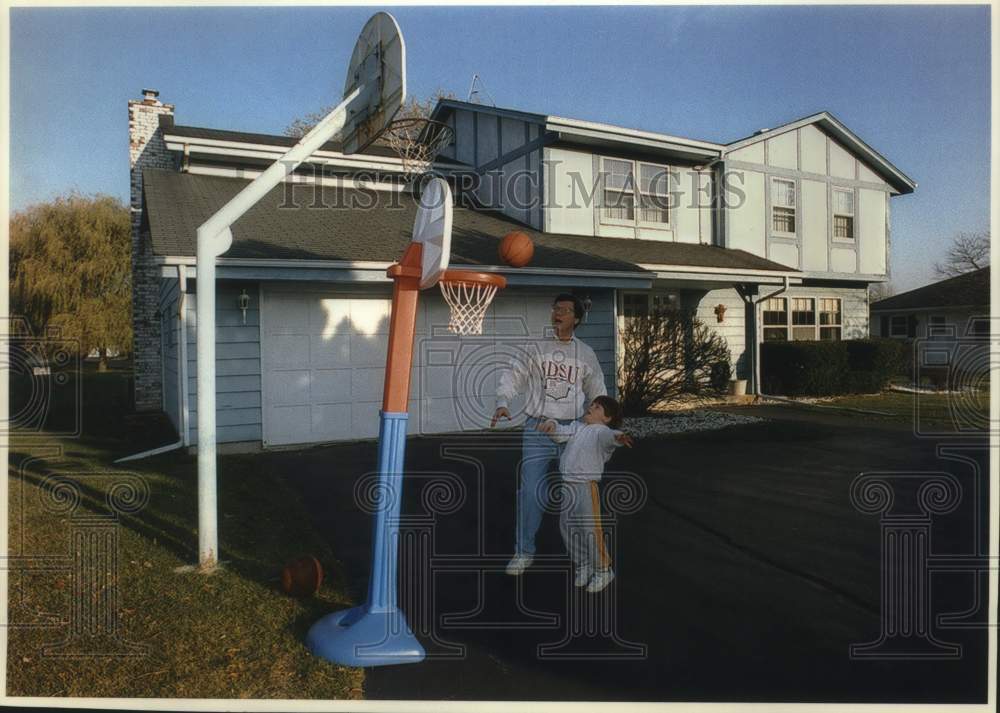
[
  {"x": 418, "y": 142},
  {"x": 468, "y": 302}
]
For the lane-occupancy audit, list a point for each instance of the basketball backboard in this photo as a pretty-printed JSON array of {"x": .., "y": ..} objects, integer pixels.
[
  {"x": 378, "y": 63},
  {"x": 432, "y": 229}
]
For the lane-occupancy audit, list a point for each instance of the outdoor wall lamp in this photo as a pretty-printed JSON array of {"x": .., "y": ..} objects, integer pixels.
[
  {"x": 720, "y": 312},
  {"x": 244, "y": 302},
  {"x": 587, "y": 304}
]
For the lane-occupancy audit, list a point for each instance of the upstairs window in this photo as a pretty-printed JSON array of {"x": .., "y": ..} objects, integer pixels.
[
  {"x": 630, "y": 202},
  {"x": 619, "y": 190},
  {"x": 654, "y": 194},
  {"x": 783, "y": 206},
  {"x": 843, "y": 214}
]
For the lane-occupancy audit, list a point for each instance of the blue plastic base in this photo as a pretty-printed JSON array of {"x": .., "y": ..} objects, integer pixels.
[{"x": 358, "y": 637}]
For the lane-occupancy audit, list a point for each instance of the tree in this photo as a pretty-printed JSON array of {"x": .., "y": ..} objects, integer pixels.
[
  {"x": 412, "y": 108},
  {"x": 70, "y": 268},
  {"x": 879, "y": 291},
  {"x": 967, "y": 252},
  {"x": 667, "y": 354}
]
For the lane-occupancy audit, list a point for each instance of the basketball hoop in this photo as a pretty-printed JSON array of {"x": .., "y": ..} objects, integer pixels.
[
  {"x": 418, "y": 142},
  {"x": 469, "y": 294}
]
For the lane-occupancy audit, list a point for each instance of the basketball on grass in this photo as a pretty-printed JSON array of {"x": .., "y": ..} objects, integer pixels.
[
  {"x": 302, "y": 577},
  {"x": 516, "y": 249}
]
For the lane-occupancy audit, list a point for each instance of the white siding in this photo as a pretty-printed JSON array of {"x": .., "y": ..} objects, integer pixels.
[
  {"x": 814, "y": 226},
  {"x": 813, "y": 143},
  {"x": 747, "y": 222},
  {"x": 843, "y": 259},
  {"x": 782, "y": 151},
  {"x": 732, "y": 328},
  {"x": 871, "y": 237},
  {"x": 754, "y": 153},
  {"x": 687, "y": 212},
  {"x": 784, "y": 253},
  {"x": 841, "y": 162}
]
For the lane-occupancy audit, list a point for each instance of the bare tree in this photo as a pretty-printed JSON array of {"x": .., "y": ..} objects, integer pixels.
[
  {"x": 967, "y": 252},
  {"x": 879, "y": 291},
  {"x": 666, "y": 355},
  {"x": 412, "y": 108}
]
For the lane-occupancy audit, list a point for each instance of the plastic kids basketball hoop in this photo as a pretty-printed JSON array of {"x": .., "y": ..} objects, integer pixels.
[{"x": 376, "y": 633}]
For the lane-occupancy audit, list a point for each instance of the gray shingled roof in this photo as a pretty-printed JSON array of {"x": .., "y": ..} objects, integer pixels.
[
  {"x": 292, "y": 223},
  {"x": 969, "y": 290},
  {"x": 242, "y": 137}
]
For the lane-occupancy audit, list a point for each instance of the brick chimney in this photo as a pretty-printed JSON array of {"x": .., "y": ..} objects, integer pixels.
[{"x": 146, "y": 149}]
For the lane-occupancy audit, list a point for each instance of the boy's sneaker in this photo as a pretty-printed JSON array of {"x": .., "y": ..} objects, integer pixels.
[
  {"x": 518, "y": 564},
  {"x": 600, "y": 580},
  {"x": 583, "y": 575}
]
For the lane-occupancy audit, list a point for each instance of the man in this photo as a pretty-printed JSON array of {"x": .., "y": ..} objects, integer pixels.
[{"x": 560, "y": 378}]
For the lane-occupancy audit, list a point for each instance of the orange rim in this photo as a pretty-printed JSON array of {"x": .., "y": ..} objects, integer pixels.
[{"x": 470, "y": 277}]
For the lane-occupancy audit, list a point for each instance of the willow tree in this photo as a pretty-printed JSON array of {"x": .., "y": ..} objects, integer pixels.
[{"x": 70, "y": 269}]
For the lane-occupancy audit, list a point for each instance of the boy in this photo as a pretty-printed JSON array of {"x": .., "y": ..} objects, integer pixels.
[{"x": 590, "y": 445}]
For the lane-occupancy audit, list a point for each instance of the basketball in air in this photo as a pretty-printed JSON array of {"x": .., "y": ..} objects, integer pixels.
[{"x": 516, "y": 249}]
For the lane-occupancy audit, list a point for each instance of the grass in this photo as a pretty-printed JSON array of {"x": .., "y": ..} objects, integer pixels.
[
  {"x": 232, "y": 634},
  {"x": 948, "y": 413}
]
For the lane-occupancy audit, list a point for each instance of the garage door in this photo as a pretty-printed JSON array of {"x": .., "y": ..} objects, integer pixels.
[{"x": 323, "y": 355}]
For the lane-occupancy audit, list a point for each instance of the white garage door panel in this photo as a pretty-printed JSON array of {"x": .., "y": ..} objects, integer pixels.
[{"x": 324, "y": 360}]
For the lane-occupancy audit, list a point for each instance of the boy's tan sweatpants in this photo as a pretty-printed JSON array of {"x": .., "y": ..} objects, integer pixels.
[{"x": 580, "y": 524}]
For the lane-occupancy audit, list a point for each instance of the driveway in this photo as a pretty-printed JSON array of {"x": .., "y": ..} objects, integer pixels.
[{"x": 744, "y": 571}]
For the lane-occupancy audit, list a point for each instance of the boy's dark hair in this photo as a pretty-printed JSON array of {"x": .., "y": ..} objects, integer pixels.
[
  {"x": 578, "y": 310},
  {"x": 612, "y": 409}
]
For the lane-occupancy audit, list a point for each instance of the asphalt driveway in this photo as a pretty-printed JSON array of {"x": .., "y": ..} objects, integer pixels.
[{"x": 745, "y": 572}]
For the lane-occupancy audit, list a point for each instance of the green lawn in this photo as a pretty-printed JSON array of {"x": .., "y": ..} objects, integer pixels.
[
  {"x": 940, "y": 412},
  {"x": 232, "y": 634}
]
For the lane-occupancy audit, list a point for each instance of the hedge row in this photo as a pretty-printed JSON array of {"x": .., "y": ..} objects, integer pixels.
[{"x": 830, "y": 368}]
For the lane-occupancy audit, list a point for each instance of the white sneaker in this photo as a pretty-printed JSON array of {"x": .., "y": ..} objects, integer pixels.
[
  {"x": 518, "y": 564},
  {"x": 600, "y": 580},
  {"x": 583, "y": 575}
]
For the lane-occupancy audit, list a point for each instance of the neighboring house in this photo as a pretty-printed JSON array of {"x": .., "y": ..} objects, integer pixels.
[
  {"x": 629, "y": 220},
  {"x": 939, "y": 317}
]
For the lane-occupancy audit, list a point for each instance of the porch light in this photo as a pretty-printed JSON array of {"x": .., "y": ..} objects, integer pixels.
[{"x": 244, "y": 302}]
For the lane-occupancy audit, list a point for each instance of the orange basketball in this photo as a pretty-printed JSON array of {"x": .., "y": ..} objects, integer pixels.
[{"x": 516, "y": 249}]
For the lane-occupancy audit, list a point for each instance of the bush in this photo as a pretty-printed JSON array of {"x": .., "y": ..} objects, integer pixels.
[
  {"x": 872, "y": 363},
  {"x": 667, "y": 354},
  {"x": 830, "y": 368}
]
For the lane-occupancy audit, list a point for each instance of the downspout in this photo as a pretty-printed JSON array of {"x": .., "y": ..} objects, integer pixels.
[
  {"x": 181, "y": 376},
  {"x": 757, "y": 335}
]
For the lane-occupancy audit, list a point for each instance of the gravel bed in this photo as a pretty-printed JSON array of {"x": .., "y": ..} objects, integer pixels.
[{"x": 686, "y": 422}]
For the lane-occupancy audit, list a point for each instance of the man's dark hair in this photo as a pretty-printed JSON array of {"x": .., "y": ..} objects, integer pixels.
[
  {"x": 578, "y": 310},
  {"x": 612, "y": 409}
]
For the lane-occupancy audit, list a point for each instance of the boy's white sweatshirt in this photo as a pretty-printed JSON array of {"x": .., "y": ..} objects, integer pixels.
[
  {"x": 589, "y": 447},
  {"x": 558, "y": 379}
]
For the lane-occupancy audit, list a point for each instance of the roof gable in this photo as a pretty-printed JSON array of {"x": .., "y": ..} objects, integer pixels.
[{"x": 834, "y": 128}]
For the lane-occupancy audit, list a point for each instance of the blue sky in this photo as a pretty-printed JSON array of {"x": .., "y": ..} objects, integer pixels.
[{"x": 912, "y": 81}]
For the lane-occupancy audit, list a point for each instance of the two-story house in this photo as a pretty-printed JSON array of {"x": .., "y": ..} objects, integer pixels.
[{"x": 772, "y": 237}]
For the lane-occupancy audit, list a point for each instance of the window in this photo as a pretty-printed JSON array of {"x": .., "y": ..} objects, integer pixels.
[
  {"x": 898, "y": 326},
  {"x": 937, "y": 328},
  {"x": 829, "y": 319},
  {"x": 783, "y": 206},
  {"x": 803, "y": 319},
  {"x": 625, "y": 202},
  {"x": 654, "y": 195},
  {"x": 843, "y": 214},
  {"x": 640, "y": 304},
  {"x": 775, "y": 320},
  {"x": 619, "y": 198},
  {"x": 802, "y": 322}
]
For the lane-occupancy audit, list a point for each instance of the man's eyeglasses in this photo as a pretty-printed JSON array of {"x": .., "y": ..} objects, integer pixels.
[{"x": 562, "y": 310}]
